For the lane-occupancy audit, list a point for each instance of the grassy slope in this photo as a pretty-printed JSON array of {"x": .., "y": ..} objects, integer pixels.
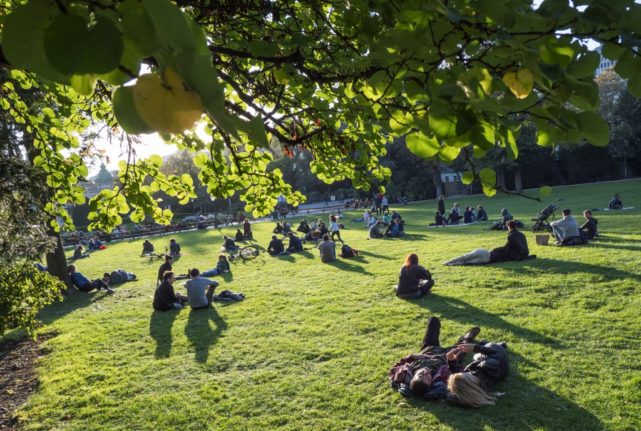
[{"x": 311, "y": 346}]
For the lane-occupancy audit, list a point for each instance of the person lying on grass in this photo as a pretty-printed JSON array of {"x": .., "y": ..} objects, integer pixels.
[
  {"x": 414, "y": 280},
  {"x": 118, "y": 276},
  {"x": 438, "y": 373},
  {"x": 516, "y": 248},
  {"x": 165, "y": 298},
  {"x": 83, "y": 284},
  {"x": 221, "y": 267},
  {"x": 200, "y": 290}
]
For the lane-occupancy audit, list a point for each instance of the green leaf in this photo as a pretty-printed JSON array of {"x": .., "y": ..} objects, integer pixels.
[
  {"x": 556, "y": 51},
  {"x": 72, "y": 48},
  {"x": 259, "y": 48},
  {"x": 421, "y": 145},
  {"x": 172, "y": 26},
  {"x": 634, "y": 85},
  {"x": 23, "y": 38},
  {"x": 467, "y": 178},
  {"x": 137, "y": 26},
  {"x": 256, "y": 133},
  {"x": 546, "y": 138},
  {"x": 545, "y": 191},
  {"x": 488, "y": 180},
  {"x": 520, "y": 82},
  {"x": 585, "y": 65},
  {"x": 126, "y": 112},
  {"x": 442, "y": 121},
  {"x": 83, "y": 84},
  {"x": 594, "y": 128}
]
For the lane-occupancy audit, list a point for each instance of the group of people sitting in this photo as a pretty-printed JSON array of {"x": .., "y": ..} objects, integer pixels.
[
  {"x": 568, "y": 232},
  {"x": 394, "y": 226},
  {"x": 277, "y": 247},
  {"x": 470, "y": 215}
]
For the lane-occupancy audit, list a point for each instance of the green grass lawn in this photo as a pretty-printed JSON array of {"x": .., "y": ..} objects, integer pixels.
[{"x": 311, "y": 346}]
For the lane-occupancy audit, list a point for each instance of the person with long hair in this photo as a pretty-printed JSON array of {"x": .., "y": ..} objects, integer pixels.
[
  {"x": 414, "y": 280},
  {"x": 437, "y": 372}
]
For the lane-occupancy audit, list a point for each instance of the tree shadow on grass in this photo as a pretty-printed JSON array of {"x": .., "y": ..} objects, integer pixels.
[
  {"x": 71, "y": 302},
  {"x": 534, "y": 267},
  {"x": 525, "y": 406},
  {"x": 160, "y": 326},
  {"x": 413, "y": 237},
  {"x": 461, "y": 311},
  {"x": 200, "y": 333},
  {"x": 346, "y": 266},
  {"x": 597, "y": 244},
  {"x": 369, "y": 253}
]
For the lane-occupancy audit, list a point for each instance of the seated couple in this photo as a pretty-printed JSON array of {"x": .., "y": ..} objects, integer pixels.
[
  {"x": 567, "y": 231},
  {"x": 395, "y": 228},
  {"x": 83, "y": 284},
  {"x": 200, "y": 291},
  {"x": 276, "y": 246},
  {"x": 414, "y": 280},
  {"x": 438, "y": 373},
  {"x": 515, "y": 249}
]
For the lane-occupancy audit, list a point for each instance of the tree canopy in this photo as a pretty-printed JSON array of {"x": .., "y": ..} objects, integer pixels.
[{"x": 339, "y": 79}]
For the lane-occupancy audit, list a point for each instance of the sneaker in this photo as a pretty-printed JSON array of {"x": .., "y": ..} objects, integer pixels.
[
  {"x": 110, "y": 291},
  {"x": 470, "y": 335}
]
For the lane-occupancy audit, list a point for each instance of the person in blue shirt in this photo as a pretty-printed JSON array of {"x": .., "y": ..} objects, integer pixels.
[{"x": 83, "y": 284}]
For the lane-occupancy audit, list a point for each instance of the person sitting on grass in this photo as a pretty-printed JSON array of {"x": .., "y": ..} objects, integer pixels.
[
  {"x": 303, "y": 227},
  {"x": 247, "y": 230},
  {"x": 166, "y": 266},
  {"x": 455, "y": 214},
  {"x": 229, "y": 244},
  {"x": 174, "y": 247},
  {"x": 295, "y": 244},
  {"x": 78, "y": 252},
  {"x": 348, "y": 252},
  {"x": 287, "y": 228},
  {"x": 481, "y": 215},
  {"x": 414, "y": 280},
  {"x": 374, "y": 231},
  {"x": 395, "y": 228},
  {"x": 239, "y": 235},
  {"x": 426, "y": 373},
  {"x": 439, "y": 220},
  {"x": 615, "y": 203},
  {"x": 147, "y": 248},
  {"x": 278, "y": 229},
  {"x": 501, "y": 224},
  {"x": 468, "y": 215},
  {"x": 516, "y": 248},
  {"x": 588, "y": 230},
  {"x": 83, "y": 284},
  {"x": 221, "y": 267},
  {"x": 118, "y": 276},
  {"x": 165, "y": 298},
  {"x": 566, "y": 230},
  {"x": 387, "y": 218},
  {"x": 327, "y": 249},
  {"x": 94, "y": 243},
  {"x": 322, "y": 229},
  {"x": 276, "y": 246},
  {"x": 200, "y": 290}
]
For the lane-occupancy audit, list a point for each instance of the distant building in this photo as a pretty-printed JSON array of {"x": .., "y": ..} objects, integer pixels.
[
  {"x": 102, "y": 180},
  {"x": 604, "y": 63},
  {"x": 452, "y": 184}
]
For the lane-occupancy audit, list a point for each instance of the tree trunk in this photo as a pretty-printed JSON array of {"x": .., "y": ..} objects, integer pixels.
[
  {"x": 500, "y": 179},
  {"x": 518, "y": 181},
  {"x": 57, "y": 261},
  {"x": 436, "y": 179}
]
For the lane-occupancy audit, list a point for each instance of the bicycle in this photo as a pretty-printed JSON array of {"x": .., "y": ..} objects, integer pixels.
[{"x": 248, "y": 252}]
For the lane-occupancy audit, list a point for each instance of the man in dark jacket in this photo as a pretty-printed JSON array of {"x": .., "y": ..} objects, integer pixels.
[
  {"x": 164, "y": 267},
  {"x": 588, "y": 230},
  {"x": 516, "y": 247},
  {"x": 276, "y": 246},
  {"x": 165, "y": 298},
  {"x": 295, "y": 244},
  {"x": 441, "y": 204}
]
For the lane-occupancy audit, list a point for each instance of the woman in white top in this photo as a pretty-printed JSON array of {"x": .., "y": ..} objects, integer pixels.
[{"x": 334, "y": 229}]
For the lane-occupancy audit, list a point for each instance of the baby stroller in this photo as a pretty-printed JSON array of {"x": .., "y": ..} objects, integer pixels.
[{"x": 541, "y": 223}]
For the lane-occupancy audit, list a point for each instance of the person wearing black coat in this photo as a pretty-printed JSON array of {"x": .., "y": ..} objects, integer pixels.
[
  {"x": 414, "y": 280},
  {"x": 515, "y": 249}
]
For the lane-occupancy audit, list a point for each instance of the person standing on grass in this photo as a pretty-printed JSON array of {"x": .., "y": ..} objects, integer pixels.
[
  {"x": 334, "y": 228},
  {"x": 414, "y": 280},
  {"x": 165, "y": 298},
  {"x": 83, "y": 284},
  {"x": 441, "y": 205},
  {"x": 247, "y": 230},
  {"x": 200, "y": 290},
  {"x": 164, "y": 268},
  {"x": 327, "y": 250}
]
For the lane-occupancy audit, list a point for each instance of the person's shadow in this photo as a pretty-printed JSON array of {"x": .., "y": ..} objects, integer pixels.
[
  {"x": 160, "y": 330},
  {"x": 200, "y": 333}
]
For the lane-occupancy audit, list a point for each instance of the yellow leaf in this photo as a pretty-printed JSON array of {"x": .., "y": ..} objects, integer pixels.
[
  {"x": 520, "y": 82},
  {"x": 166, "y": 104}
]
